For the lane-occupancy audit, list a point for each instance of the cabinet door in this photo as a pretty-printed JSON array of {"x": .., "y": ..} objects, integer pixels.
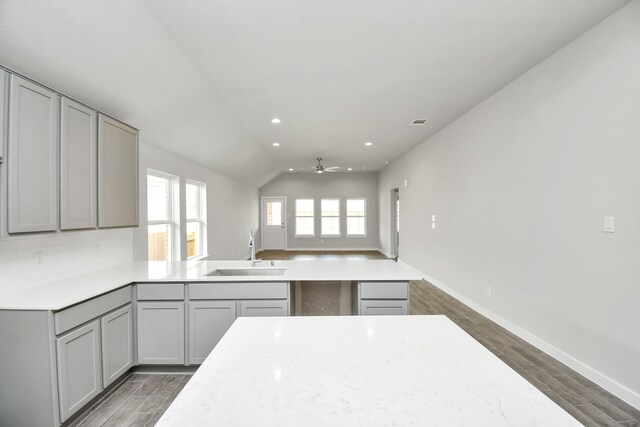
[
  {"x": 78, "y": 368},
  {"x": 117, "y": 173},
  {"x": 208, "y": 322},
  {"x": 78, "y": 164},
  {"x": 160, "y": 333},
  {"x": 383, "y": 308},
  {"x": 3, "y": 102},
  {"x": 32, "y": 157},
  {"x": 265, "y": 308},
  {"x": 117, "y": 344}
]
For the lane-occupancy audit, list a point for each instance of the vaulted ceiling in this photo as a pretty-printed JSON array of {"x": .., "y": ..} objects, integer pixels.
[{"x": 203, "y": 79}]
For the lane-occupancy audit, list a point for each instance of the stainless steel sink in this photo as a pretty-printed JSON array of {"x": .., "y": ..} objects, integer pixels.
[{"x": 247, "y": 272}]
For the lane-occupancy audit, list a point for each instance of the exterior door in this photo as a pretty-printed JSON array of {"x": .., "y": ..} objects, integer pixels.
[{"x": 274, "y": 222}]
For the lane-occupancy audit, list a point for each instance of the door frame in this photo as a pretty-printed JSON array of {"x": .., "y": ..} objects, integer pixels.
[
  {"x": 395, "y": 195},
  {"x": 262, "y": 225}
]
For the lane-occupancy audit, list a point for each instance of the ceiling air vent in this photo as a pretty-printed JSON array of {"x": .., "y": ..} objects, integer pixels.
[{"x": 419, "y": 122}]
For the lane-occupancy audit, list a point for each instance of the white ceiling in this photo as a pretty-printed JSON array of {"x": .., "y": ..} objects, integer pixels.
[{"x": 203, "y": 78}]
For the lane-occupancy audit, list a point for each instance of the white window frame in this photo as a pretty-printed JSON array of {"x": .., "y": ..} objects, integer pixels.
[
  {"x": 322, "y": 216},
  {"x": 201, "y": 220},
  {"x": 173, "y": 213},
  {"x": 347, "y": 216},
  {"x": 313, "y": 216}
]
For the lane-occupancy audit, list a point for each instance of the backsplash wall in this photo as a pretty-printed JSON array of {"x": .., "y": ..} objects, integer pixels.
[{"x": 27, "y": 260}]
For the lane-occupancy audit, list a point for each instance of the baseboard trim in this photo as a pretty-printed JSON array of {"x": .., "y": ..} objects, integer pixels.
[
  {"x": 385, "y": 253},
  {"x": 351, "y": 249},
  {"x": 622, "y": 392}
]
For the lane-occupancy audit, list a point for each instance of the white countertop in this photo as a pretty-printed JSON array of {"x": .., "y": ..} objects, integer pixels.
[
  {"x": 55, "y": 294},
  {"x": 357, "y": 370}
]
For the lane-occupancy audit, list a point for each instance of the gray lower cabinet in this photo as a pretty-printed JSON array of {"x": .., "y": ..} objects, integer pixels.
[
  {"x": 208, "y": 322},
  {"x": 117, "y": 344},
  {"x": 117, "y": 173},
  {"x": 160, "y": 333},
  {"x": 32, "y": 157},
  {"x": 264, "y": 308},
  {"x": 382, "y": 298},
  {"x": 79, "y": 368},
  {"x": 383, "y": 307}
]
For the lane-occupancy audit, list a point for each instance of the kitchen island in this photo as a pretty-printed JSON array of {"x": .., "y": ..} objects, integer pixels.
[{"x": 321, "y": 371}]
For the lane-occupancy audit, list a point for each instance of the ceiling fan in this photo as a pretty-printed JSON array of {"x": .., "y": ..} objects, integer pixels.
[{"x": 322, "y": 169}]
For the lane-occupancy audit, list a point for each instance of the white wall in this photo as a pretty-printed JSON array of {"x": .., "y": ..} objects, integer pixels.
[
  {"x": 329, "y": 185},
  {"x": 232, "y": 207},
  {"x": 520, "y": 186}
]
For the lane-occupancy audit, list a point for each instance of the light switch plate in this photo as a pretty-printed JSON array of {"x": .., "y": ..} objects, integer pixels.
[{"x": 609, "y": 224}]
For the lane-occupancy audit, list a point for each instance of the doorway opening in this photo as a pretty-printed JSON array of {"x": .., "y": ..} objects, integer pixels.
[
  {"x": 395, "y": 223},
  {"x": 274, "y": 223}
]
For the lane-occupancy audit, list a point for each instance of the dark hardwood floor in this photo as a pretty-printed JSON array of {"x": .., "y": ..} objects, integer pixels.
[{"x": 142, "y": 399}]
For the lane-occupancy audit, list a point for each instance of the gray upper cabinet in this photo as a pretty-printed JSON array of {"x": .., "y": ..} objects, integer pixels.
[
  {"x": 117, "y": 173},
  {"x": 78, "y": 166},
  {"x": 3, "y": 101},
  {"x": 32, "y": 157}
]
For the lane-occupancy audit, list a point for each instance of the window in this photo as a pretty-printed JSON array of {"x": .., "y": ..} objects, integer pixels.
[
  {"x": 304, "y": 218},
  {"x": 162, "y": 226},
  {"x": 356, "y": 217},
  {"x": 330, "y": 209},
  {"x": 196, "y": 226}
]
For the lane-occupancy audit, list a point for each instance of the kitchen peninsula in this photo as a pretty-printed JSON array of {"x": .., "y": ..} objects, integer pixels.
[{"x": 79, "y": 335}]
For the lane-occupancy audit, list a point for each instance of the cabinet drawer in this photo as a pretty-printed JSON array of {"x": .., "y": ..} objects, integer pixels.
[
  {"x": 384, "y": 290},
  {"x": 239, "y": 290},
  {"x": 384, "y": 308},
  {"x": 83, "y": 312},
  {"x": 160, "y": 291}
]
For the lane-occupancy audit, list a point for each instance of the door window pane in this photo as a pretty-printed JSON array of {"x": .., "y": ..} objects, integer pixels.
[{"x": 274, "y": 213}]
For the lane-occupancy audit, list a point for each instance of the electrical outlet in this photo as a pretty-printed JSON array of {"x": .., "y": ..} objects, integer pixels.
[
  {"x": 38, "y": 257},
  {"x": 609, "y": 224},
  {"x": 489, "y": 290},
  {"x": 433, "y": 225}
]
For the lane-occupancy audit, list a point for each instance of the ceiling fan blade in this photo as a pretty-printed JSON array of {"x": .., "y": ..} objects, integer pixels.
[
  {"x": 332, "y": 167},
  {"x": 331, "y": 170}
]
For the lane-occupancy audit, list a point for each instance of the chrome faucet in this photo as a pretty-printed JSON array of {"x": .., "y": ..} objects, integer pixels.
[{"x": 252, "y": 246}]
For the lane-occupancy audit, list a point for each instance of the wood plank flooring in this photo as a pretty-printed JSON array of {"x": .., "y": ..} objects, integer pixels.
[
  {"x": 142, "y": 399},
  {"x": 139, "y": 401}
]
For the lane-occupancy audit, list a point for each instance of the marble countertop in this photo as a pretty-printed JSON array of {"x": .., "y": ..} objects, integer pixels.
[
  {"x": 53, "y": 294},
  {"x": 357, "y": 370}
]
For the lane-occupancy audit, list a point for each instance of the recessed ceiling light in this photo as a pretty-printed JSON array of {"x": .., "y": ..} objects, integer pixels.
[
  {"x": 276, "y": 144},
  {"x": 290, "y": 169},
  {"x": 386, "y": 162},
  {"x": 368, "y": 143},
  {"x": 349, "y": 169},
  {"x": 275, "y": 120}
]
